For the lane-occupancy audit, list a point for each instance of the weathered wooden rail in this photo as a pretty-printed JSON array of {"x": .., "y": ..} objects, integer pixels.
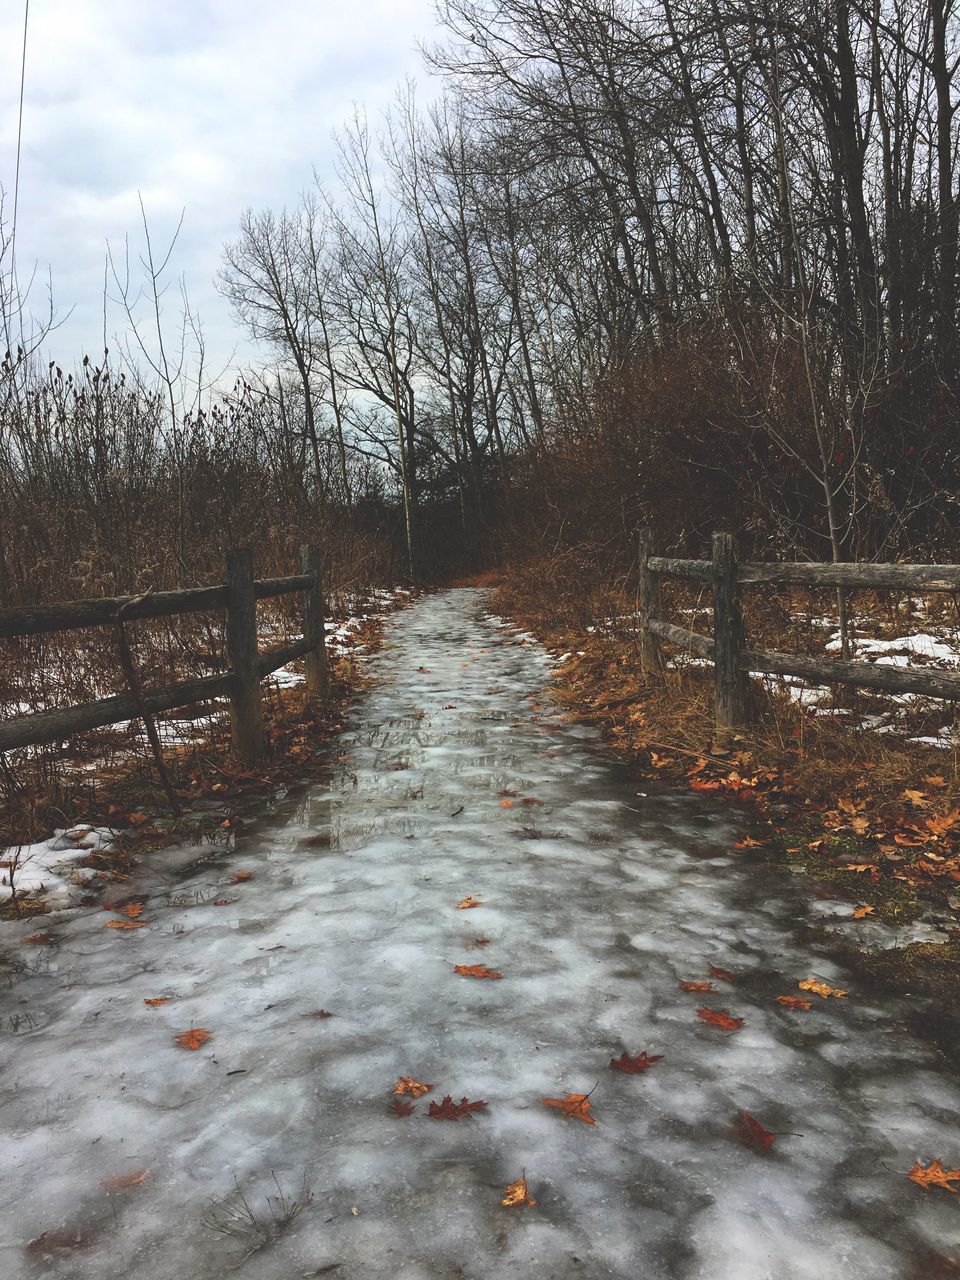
[
  {"x": 237, "y": 597},
  {"x": 727, "y": 649}
]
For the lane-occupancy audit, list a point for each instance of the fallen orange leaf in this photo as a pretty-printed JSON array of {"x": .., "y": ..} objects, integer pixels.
[
  {"x": 517, "y": 1194},
  {"x": 506, "y": 804},
  {"x": 575, "y": 1105},
  {"x": 125, "y": 924},
  {"x": 476, "y": 971},
  {"x": 724, "y": 975},
  {"x": 467, "y": 903},
  {"x": 241, "y": 877},
  {"x": 934, "y": 1175},
  {"x": 794, "y": 1002},
  {"x": 720, "y": 1018},
  {"x": 407, "y": 1084},
  {"x": 123, "y": 1180},
  {"x": 820, "y": 988},
  {"x": 696, "y": 986},
  {"x": 195, "y": 1038},
  {"x": 860, "y": 912},
  {"x": 152, "y": 1004},
  {"x": 132, "y": 910}
]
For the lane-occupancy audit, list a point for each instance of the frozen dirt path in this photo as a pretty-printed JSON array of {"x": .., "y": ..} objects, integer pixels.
[{"x": 597, "y": 902}]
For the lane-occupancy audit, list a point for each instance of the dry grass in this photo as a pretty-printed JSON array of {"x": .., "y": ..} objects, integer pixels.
[{"x": 812, "y": 783}]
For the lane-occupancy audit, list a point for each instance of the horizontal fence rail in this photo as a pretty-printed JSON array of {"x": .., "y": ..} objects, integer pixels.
[
  {"x": 733, "y": 661},
  {"x": 237, "y": 597}
]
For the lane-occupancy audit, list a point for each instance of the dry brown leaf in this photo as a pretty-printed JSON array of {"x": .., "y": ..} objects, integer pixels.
[
  {"x": 241, "y": 877},
  {"x": 941, "y": 823},
  {"x": 720, "y": 1018},
  {"x": 407, "y": 1084},
  {"x": 722, "y": 975},
  {"x": 752, "y": 1133},
  {"x": 195, "y": 1038},
  {"x": 696, "y": 986},
  {"x": 517, "y": 1194},
  {"x": 121, "y": 1181},
  {"x": 468, "y": 903},
  {"x": 476, "y": 971},
  {"x": 450, "y": 1110},
  {"x": 132, "y": 910},
  {"x": 157, "y": 1000},
  {"x": 860, "y": 912},
  {"x": 795, "y": 1003},
  {"x": 125, "y": 924},
  {"x": 401, "y": 1108}
]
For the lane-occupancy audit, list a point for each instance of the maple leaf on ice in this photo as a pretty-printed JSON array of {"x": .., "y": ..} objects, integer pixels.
[
  {"x": 467, "y": 903},
  {"x": 575, "y": 1105},
  {"x": 633, "y": 1066},
  {"x": 125, "y": 924},
  {"x": 820, "y": 988},
  {"x": 241, "y": 877},
  {"x": 794, "y": 1002},
  {"x": 407, "y": 1084},
  {"x": 401, "y": 1108},
  {"x": 860, "y": 912},
  {"x": 517, "y": 1194},
  {"x": 195, "y": 1038},
  {"x": 450, "y": 1110},
  {"x": 934, "y": 1175},
  {"x": 696, "y": 986},
  {"x": 476, "y": 971},
  {"x": 720, "y": 1018},
  {"x": 724, "y": 975},
  {"x": 752, "y": 1133},
  {"x": 156, "y": 1000}
]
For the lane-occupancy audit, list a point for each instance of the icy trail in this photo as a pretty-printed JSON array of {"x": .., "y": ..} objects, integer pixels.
[{"x": 598, "y": 901}]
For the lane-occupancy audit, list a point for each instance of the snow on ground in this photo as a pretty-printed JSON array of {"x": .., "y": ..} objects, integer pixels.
[
  {"x": 50, "y": 866},
  {"x": 597, "y": 901}
]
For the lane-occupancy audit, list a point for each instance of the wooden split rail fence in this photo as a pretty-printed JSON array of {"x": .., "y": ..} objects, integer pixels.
[
  {"x": 727, "y": 649},
  {"x": 237, "y": 597}
]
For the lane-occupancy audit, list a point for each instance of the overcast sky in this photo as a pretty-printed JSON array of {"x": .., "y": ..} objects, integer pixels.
[{"x": 205, "y": 105}]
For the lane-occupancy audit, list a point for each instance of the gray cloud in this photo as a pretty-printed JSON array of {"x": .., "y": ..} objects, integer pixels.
[{"x": 207, "y": 105}]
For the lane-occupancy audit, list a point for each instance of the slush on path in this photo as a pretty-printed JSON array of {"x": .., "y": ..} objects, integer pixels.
[{"x": 278, "y": 1149}]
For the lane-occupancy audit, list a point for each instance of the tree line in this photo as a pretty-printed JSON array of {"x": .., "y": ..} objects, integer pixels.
[{"x": 691, "y": 263}]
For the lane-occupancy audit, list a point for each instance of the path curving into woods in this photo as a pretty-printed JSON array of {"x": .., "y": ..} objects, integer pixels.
[{"x": 459, "y": 779}]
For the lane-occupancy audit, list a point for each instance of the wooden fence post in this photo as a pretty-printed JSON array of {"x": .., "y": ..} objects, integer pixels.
[
  {"x": 246, "y": 712},
  {"x": 648, "y": 604},
  {"x": 731, "y": 682},
  {"x": 315, "y": 662}
]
